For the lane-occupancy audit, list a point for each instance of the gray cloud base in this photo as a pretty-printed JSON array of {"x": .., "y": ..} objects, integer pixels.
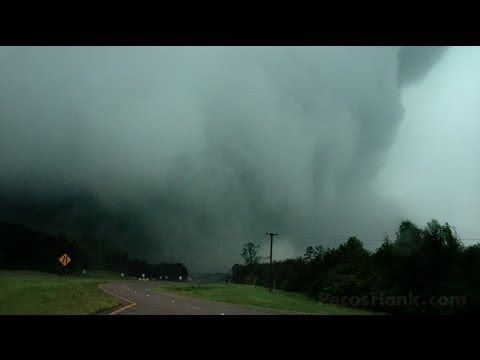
[{"x": 184, "y": 154}]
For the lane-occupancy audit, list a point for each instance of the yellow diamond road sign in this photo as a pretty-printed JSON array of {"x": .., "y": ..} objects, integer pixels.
[{"x": 64, "y": 259}]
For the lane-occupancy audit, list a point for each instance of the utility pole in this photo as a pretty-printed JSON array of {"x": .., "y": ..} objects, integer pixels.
[{"x": 271, "y": 264}]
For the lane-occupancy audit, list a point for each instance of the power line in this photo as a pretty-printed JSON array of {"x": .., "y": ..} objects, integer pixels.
[{"x": 346, "y": 238}]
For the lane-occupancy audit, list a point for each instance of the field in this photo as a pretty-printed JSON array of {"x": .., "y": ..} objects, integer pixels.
[
  {"x": 259, "y": 297},
  {"x": 36, "y": 293},
  {"x": 30, "y": 292}
]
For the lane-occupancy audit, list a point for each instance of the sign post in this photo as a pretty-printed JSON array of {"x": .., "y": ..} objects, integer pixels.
[{"x": 65, "y": 260}]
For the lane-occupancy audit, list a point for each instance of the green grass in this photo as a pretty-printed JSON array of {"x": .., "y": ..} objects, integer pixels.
[
  {"x": 98, "y": 275},
  {"x": 259, "y": 297},
  {"x": 30, "y": 292}
]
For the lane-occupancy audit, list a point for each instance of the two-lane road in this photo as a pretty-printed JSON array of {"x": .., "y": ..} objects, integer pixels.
[{"x": 139, "y": 299}]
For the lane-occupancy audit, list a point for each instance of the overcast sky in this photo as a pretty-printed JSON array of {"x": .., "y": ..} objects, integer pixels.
[
  {"x": 433, "y": 167},
  {"x": 184, "y": 154}
]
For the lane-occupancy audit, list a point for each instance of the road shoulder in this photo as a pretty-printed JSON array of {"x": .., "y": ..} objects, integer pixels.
[{"x": 124, "y": 303}]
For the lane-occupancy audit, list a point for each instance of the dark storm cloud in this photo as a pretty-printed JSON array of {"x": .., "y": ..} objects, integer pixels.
[
  {"x": 415, "y": 61},
  {"x": 184, "y": 154}
]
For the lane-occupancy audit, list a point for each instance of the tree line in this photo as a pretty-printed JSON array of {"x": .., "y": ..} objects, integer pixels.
[
  {"x": 425, "y": 270},
  {"x": 22, "y": 248}
]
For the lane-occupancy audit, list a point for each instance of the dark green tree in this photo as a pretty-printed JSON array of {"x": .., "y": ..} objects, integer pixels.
[
  {"x": 249, "y": 254},
  {"x": 309, "y": 254},
  {"x": 319, "y": 252}
]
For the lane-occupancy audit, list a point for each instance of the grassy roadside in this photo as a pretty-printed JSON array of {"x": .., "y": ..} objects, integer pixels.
[
  {"x": 36, "y": 293},
  {"x": 258, "y": 297}
]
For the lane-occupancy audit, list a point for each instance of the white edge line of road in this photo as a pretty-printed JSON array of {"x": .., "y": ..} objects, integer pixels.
[{"x": 121, "y": 309}]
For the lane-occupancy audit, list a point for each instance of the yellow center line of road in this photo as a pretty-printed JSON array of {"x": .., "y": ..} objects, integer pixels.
[{"x": 121, "y": 309}]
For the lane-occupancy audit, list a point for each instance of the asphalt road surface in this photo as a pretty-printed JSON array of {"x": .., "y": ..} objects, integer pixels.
[{"x": 139, "y": 299}]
